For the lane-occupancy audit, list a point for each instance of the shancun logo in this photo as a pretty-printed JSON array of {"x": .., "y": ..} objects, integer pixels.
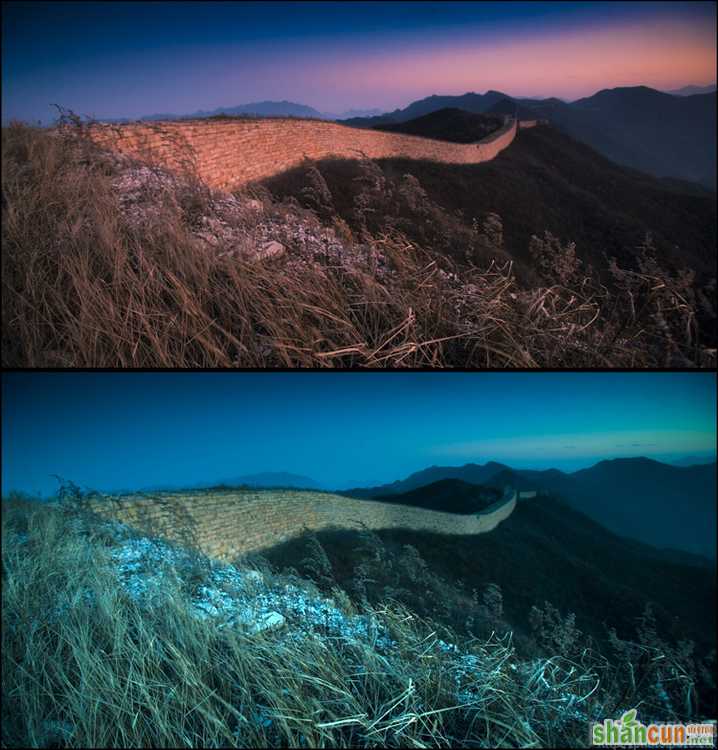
[{"x": 628, "y": 730}]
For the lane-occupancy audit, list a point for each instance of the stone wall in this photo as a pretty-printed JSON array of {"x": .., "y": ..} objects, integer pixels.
[
  {"x": 225, "y": 525},
  {"x": 230, "y": 153}
]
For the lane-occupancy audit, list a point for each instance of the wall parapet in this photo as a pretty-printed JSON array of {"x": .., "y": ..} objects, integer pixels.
[
  {"x": 228, "y": 154},
  {"x": 230, "y": 524}
]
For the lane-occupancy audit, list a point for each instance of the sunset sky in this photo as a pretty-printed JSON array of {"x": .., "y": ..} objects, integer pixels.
[
  {"x": 131, "y": 430},
  {"x": 132, "y": 59}
]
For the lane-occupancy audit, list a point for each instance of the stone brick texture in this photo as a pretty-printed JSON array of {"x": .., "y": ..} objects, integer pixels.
[
  {"x": 230, "y": 153},
  {"x": 229, "y": 524}
]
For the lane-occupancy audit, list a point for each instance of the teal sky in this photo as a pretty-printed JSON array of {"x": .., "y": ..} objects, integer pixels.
[{"x": 131, "y": 430}]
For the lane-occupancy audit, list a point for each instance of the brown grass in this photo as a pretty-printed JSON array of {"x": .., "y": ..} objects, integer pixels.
[{"x": 86, "y": 286}]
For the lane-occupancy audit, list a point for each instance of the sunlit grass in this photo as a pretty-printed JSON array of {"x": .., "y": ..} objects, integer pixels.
[{"x": 88, "y": 283}]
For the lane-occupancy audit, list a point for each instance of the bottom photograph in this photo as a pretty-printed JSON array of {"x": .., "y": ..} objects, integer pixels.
[{"x": 310, "y": 559}]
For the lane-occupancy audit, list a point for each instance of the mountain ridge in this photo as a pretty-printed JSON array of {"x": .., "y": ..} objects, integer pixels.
[
  {"x": 659, "y": 133},
  {"x": 605, "y": 493}
]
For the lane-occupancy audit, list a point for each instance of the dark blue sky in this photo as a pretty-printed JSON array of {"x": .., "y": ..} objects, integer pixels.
[
  {"x": 130, "y": 430},
  {"x": 127, "y": 59}
]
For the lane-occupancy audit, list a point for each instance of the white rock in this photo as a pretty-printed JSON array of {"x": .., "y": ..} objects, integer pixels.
[
  {"x": 255, "y": 205},
  {"x": 254, "y": 575},
  {"x": 268, "y": 621}
]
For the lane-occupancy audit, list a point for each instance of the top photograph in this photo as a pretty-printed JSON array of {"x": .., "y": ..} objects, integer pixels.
[{"x": 359, "y": 185}]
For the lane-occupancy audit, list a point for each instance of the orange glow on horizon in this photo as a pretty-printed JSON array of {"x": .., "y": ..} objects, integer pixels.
[{"x": 568, "y": 64}]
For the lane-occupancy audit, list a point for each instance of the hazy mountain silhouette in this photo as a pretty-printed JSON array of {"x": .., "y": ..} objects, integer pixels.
[
  {"x": 257, "y": 109},
  {"x": 263, "y": 479},
  {"x": 690, "y": 90},
  {"x": 663, "y": 505},
  {"x": 694, "y": 461},
  {"x": 263, "y": 109},
  {"x": 274, "y": 479},
  {"x": 658, "y": 133},
  {"x": 656, "y": 503},
  {"x": 353, "y": 113}
]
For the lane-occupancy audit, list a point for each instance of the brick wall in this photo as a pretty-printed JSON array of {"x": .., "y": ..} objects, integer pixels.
[
  {"x": 225, "y": 525},
  {"x": 230, "y": 153}
]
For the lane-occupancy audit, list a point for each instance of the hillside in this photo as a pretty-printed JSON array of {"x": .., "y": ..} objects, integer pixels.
[
  {"x": 449, "y": 124},
  {"x": 271, "y": 276},
  {"x": 545, "y": 551},
  {"x": 544, "y": 181},
  {"x": 448, "y": 495}
]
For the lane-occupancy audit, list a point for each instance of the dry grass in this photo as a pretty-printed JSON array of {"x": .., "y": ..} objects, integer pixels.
[
  {"x": 87, "y": 664},
  {"x": 88, "y": 284}
]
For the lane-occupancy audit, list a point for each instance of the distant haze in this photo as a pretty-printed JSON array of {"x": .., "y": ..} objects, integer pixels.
[{"x": 117, "y": 59}]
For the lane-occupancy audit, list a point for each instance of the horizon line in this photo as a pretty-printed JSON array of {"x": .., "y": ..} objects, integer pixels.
[{"x": 330, "y": 487}]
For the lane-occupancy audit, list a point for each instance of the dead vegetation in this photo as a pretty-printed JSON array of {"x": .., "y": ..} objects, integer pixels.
[{"x": 108, "y": 262}]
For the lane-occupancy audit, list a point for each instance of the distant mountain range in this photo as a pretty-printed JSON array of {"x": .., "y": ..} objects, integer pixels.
[
  {"x": 264, "y": 479},
  {"x": 662, "y": 505},
  {"x": 662, "y": 134},
  {"x": 694, "y": 461},
  {"x": 274, "y": 479},
  {"x": 259, "y": 109}
]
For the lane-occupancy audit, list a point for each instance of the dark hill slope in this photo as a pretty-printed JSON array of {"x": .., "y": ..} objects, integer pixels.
[
  {"x": 455, "y": 125},
  {"x": 548, "y": 181},
  {"x": 544, "y": 180},
  {"x": 546, "y": 551},
  {"x": 447, "y": 495}
]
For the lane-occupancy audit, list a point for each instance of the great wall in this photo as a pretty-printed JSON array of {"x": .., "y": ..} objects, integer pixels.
[
  {"x": 226, "y": 525},
  {"x": 228, "y": 154}
]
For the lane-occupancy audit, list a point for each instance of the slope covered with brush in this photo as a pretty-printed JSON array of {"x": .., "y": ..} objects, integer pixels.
[{"x": 109, "y": 262}]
